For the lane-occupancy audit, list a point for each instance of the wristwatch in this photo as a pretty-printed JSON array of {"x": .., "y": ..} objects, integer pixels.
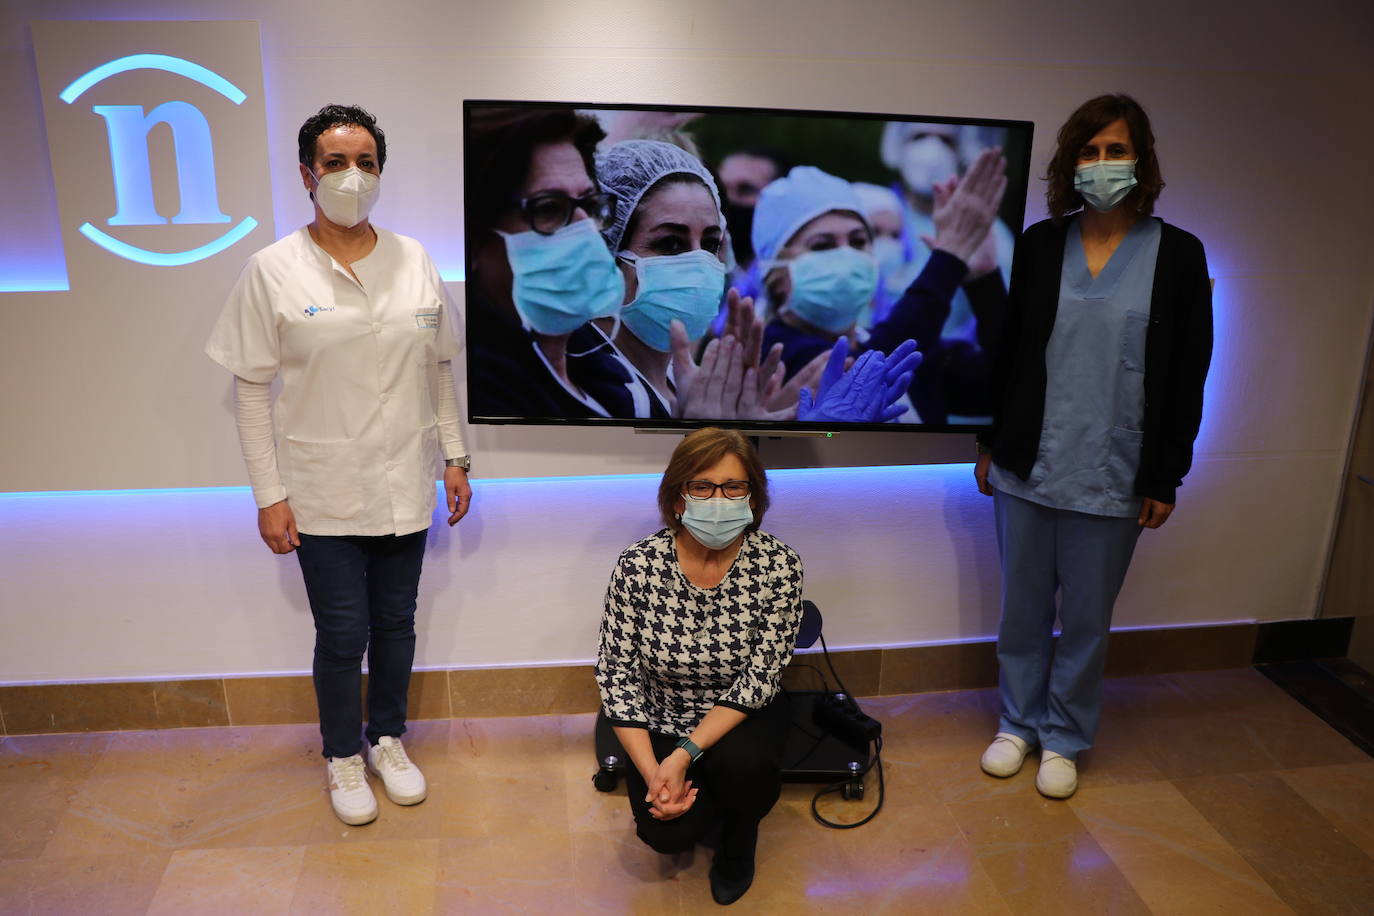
[
  {"x": 464, "y": 462},
  {"x": 692, "y": 750}
]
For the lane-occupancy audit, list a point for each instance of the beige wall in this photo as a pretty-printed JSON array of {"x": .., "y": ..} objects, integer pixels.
[{"x": 1254, "y": 109}]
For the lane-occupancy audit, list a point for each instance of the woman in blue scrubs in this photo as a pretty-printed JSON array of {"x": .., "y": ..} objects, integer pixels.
[{"x": 1098, "y": 387}]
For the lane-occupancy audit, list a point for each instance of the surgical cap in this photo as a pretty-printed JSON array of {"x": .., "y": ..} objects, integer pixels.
[
  {"x": 789, "y": 203},
  {"x": 630, "y": 168},
  {"x": 877, "y": 199},
  {"x": 896, "y": 134}
]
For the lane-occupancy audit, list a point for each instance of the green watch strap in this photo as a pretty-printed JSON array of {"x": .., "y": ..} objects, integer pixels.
[{"x": 692, "y": 750}]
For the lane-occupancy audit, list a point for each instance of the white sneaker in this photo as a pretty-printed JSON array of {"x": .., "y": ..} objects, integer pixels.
[
  {"x": 1058, "y": 776},
  {"x": 349, "y": 792},
  {"x": 1005, "y": 755},
  {"x": 405, "y": 784}
]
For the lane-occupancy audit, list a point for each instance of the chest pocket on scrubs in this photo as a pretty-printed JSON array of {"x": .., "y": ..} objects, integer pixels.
[{"x": 322, "y": 479}]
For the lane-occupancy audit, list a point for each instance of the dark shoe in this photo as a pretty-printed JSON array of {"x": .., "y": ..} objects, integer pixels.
[{"x": 726, "y": 888}]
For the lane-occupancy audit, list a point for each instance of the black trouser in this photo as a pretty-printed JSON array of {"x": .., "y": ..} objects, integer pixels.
[{"x": 739, "y": 779}]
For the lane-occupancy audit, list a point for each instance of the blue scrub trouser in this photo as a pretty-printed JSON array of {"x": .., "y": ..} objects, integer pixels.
[
  {"x": 362, "y": 594},
  {"x": 1052, "y": 694}
]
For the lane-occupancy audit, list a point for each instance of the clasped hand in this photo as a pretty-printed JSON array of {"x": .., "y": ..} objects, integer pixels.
[{"x": 670, "y": 794}]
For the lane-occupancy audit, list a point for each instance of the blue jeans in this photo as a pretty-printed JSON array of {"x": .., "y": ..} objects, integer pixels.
[
  {"x": 1052, "y": 694},
  {"x": 362, "y": 595}
]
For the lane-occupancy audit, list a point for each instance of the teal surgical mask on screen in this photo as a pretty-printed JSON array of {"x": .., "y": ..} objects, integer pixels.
[{"x": 562, "y": 281}]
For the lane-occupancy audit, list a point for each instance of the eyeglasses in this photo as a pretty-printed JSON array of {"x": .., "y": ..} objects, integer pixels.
[
  {"x": 552, "y": 210},
  {"x": 705, "y": 489}
]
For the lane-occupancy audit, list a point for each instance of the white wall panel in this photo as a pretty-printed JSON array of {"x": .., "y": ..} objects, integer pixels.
[{"x": 1258, "y": 110}]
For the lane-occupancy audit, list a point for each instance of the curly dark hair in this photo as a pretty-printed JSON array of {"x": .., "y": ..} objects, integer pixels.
[
  {"x": 500, "y": 142},
  {"x": 331, "y": 116},
  {"x": 1093, "y": 115}
]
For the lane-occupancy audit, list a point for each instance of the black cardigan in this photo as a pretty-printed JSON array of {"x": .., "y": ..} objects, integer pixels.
[{"x": 1178, "y": 349}]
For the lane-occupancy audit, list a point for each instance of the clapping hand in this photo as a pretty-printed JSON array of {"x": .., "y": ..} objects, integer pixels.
[
  {"x": 964, "y": 211},
  {"x": 867, "y": 392},
  {"x": 732, "y": 381}
]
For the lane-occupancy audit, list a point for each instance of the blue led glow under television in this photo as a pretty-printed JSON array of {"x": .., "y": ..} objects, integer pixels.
[{"x": 821, "y": 219}]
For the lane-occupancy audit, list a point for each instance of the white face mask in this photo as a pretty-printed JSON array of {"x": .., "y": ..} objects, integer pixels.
[
  {"x": 346, "y": 197},
  {"x": 926, "y": 162}
]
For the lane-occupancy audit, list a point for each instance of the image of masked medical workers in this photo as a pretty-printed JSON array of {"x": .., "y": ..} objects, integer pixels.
[
  {"x": 1107, "y": 345},
  {"x": 700, "y": 619},
  {"x": 815, "y": 251},
  {"x": 924, "y": 155},
  {"x": 354, "y": 324},
  {"x": 539, "y": 270},
  {"x": 668, "y": 235},
  {"x": 743, "y": 174},
  {"x": 882, "y": 209}
]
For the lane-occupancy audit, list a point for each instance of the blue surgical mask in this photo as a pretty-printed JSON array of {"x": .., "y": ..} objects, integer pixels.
[
  {"x": 716, "y": 522},
  {"x": 564, "y": 280},
  {"x": 831, "y": 287},
  {"x": 686, "y": 287},
  {"x": 1104, "y": 183}
]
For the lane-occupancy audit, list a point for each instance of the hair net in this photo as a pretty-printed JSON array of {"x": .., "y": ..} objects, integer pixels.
[
  {"x": 789, "y": 203},
  {"x": 877, "y": 199},
  {"x": 896, "y": 134},
  {"x": 632, "y": 167}
]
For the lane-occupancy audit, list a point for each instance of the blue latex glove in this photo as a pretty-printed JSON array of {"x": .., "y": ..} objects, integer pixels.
[
  {"x": 898, "y": 373},
  {"x": 857, "y": 397},
  {"x": 867, "y": 392}
]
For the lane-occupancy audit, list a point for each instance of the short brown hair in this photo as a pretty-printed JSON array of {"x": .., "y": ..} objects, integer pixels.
[
  {"x": 1093, "y": 115},
  {"x": 699, "y": 450},
  {"x": 501, "y": 142}
]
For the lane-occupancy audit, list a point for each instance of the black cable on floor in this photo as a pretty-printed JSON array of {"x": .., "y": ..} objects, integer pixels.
[{"x": 875, "y": 759}]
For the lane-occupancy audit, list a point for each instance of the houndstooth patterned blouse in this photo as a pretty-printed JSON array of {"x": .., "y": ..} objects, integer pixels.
[{"x": 671, "y": 650}]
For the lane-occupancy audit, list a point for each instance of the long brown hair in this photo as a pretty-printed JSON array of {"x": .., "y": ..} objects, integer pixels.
[
  {"x": 699, "y": 450},
  {"x": 1093, "y": 115}
]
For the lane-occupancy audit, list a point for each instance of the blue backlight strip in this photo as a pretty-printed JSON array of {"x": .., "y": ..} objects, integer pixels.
[
  {"x": 53, "y": 279},
  {"x": 168, "y": 259},
  {"x": 180, "y": 66},
  {"x": 479, "y": 481}
]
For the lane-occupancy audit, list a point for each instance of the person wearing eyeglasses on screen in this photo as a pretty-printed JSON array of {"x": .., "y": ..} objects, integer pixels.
[
  {"x": 1099, "y": 379},
  {"x": 700, "y": 619},
  {"x": 539, "y": 269},
  {"x": 354, "y": 323}
]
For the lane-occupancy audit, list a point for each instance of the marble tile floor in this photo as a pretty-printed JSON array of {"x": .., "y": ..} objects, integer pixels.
[{"x": 1209, "y": 792}]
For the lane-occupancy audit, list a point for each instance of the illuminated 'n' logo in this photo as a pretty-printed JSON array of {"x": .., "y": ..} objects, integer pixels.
[{"x": 128, "y": 127}]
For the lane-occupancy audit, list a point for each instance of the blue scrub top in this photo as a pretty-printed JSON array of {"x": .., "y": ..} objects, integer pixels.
[{"x": 1095, "y": 392}]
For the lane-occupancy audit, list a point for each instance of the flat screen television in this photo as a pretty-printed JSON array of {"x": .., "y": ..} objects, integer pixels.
[{"x": 671, "y": 267}]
